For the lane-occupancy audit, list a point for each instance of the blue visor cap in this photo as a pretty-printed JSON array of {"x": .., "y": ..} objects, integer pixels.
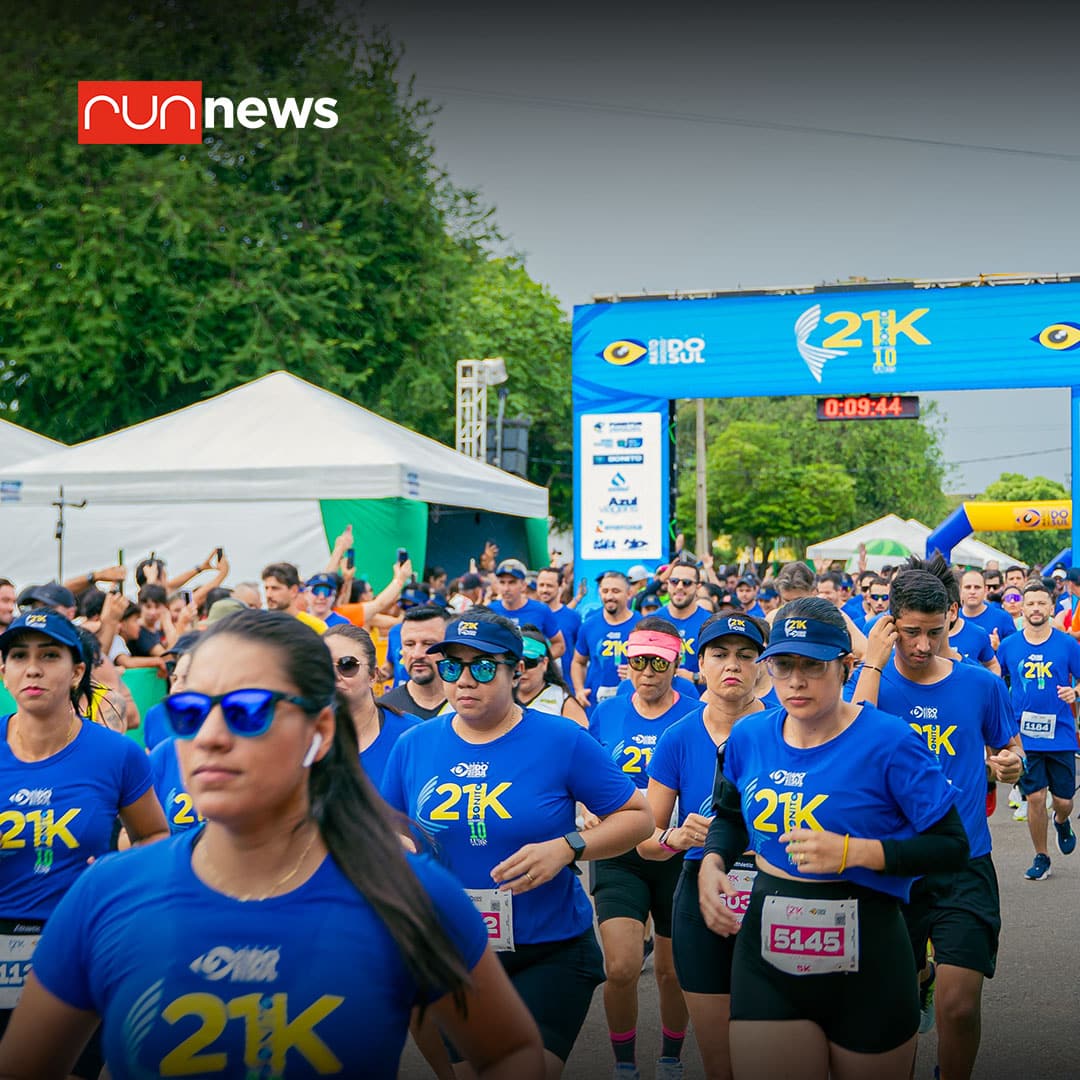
[
  {"x": 49, "y": 623},
  {"x": 486, "y": 636},
  {"x": 807, "y": 637},
  {"x": 728, "y": 626}
]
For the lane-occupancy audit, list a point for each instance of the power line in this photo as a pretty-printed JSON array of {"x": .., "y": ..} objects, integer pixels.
[
  {"x": 611, "y": 108},
  {"x": 1004, "y": 457}
]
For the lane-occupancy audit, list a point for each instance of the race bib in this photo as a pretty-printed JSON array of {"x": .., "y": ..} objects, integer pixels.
[
  {"x": 17, "y": 943},
  {"x": 810, "y": 937},
  {"x": 497, "y": 910},
  {"x": 1035, "y": 725},
  {"x": 743, "y": 880},
  {"x": 603, "y": 693}
]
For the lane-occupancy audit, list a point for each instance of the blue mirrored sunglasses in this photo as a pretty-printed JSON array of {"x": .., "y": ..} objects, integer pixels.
[
  {"x": 247, "y": 712},
  {"x": 482, "y": 669},
  {"x": 322, "y": 590}
]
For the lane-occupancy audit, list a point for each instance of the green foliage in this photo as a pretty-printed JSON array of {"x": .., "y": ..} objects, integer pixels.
[
  {"x": 1032, "y": 548},
  {"x": 776, "y": 472},
  {"x": 135, "y": 280}
]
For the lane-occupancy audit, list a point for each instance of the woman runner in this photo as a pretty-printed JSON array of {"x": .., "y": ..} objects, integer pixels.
[{"x": 541, "y": 685}]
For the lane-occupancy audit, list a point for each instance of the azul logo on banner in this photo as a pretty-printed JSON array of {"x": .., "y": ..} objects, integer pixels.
[
  {"x": 627, "y": 351},
  {"x": 881, "y": 330},
  {"x": 175, "y": 112},
  {"x": 615, "y": 505}
]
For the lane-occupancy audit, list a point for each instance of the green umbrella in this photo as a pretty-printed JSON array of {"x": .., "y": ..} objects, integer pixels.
[
  {"x": 887, "y": 547},
  {"x": 878, "y": 553}
]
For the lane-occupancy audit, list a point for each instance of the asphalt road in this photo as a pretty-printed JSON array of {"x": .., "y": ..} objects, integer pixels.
[{"x": 1031, "y": 1009}]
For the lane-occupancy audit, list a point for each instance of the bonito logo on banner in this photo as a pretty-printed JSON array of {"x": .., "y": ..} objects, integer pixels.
[
  {"x": 175, "y": 113},
  {"x": 622, "y": 486}
]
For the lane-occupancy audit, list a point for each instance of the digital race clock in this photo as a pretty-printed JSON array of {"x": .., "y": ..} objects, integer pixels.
[{"x": 868, "y": 407}]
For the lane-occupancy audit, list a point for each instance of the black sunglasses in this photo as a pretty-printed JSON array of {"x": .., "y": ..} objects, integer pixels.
[{"x": 347, "y": 665}]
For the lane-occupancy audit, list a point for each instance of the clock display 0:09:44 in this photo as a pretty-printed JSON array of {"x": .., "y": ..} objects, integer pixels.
[{"x": 868, "y": 407}]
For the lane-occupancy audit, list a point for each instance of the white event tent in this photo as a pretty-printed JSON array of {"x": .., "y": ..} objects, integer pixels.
[
  {"x": 912, "y": 534},
  {"x": 267, "y": 471},
  {"x": 19, "y": 444}
]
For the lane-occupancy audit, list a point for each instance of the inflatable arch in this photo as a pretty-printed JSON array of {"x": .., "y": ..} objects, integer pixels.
[{"x": 971, "y": 517}]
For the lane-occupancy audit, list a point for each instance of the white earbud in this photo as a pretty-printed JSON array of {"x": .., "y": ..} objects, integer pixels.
[{"x": 313, "y": 749}]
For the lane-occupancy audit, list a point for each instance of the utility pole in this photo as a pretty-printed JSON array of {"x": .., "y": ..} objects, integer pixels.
[
  {"x": 703, "y": 547},
  {"x": 60, "y": 504}
]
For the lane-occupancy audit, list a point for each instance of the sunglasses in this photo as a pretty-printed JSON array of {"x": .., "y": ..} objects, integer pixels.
[
  {"x": 657, "y": 663},
  {"x": 687, "y": 581},
  {"x": 322, "y": 590},
  {"x": 879, "y": 596},
  {"x": 347, "y": 665},
  {"x": 482, "y": 669},
  {"x": 783, "y": 667},
  {"x": 247, "y": 712},
  {"x": 530, "y": 664},
  {"x": 1012, "y": 597}
]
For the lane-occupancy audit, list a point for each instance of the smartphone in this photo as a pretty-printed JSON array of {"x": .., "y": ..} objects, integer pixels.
[
  {"x": 186, "y": 594},
  {"x": 218, "y": 552},
  {"x": 402, "y": 556},
  {"x": 350, "y": 558},
  {"x": 120, "y": 562}
]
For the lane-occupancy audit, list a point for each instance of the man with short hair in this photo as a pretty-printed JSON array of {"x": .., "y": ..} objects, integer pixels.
[
  {"x": 600, "y": 651},
  {"x": 1016, "y": 576},
  {"x": 248, "y": 592},
  {"x": 769, "y": 599},
  {"x": 830, "y": 586},
  {"x": 960, "y": 710},
  {"x": 746, "y": 592},
  {"x": 510, "y": 575},
  {"x": 548, "y": 587},
  {"x": 639, "y": 578},
  {"x": 685, "y": 614},
  {"x": 975, "y": 608},
  {"x": 53, "y": 596},
  {"x": 1041, "y": 666},
  {"x": 424, "y": 694},
  {"x": 857, "y": 609},
  {"x": 7, "y": 603},
  {"x": 281, "y": 584},
  {"x": 875, "y": 600}
]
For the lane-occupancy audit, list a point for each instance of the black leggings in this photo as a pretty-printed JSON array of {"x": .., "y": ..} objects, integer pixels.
[{"x": 702, "y": 958}]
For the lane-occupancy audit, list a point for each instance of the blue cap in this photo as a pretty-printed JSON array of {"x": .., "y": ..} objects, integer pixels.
[
  {"x": 49, "y": 623},
  {"x": 807, "y": 637},
  {"x": 486, "y": 636},
  {"x": 330, "y": 580},
  {"x": 730, "y": 625}
]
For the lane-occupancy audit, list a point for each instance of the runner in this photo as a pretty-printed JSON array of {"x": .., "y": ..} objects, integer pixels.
[
  {"x": 377, "y": 724},
  {"x": 1041, "y": 666},
  {"x": 959, "y": 709},
  {"x": 627, "y": 889},
  {"x": 63, "y": 782},
  {"x": 842, "y": 808},
  {"x": 263, "y": 748},
  {"x": 683, "y": 769},
  {"x": 540, "y": 685},
  {"x": 975, "y": 609},
  {"x": 496, "y": 786},
  {"x": 424, "y": 694},
  {"x": 600, "y": 650},
  {"x": 548, "y": 588},
  {"x": 683, "y": 582},
  {"x": 511, "y": 576},
  {"x": 795, "y": 581}
]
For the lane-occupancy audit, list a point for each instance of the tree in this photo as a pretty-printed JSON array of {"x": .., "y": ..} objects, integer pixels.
[
  {"x": 1032, "y": 548},
  {"x": 135, "y": 280},
  {"x": 892, "y": 466}
]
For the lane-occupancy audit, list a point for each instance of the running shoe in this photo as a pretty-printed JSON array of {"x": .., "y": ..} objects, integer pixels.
[
  {"x": 1066, "y": 838},
  {"x": 668, "y": 1068},
  {"x": 625, "y": 1070},
  {"x": 1015, "y": 801},
  {"x": 926, "y": 1002},
  {"x": 1039, "y": 869},
  {"x": 1021, "y": 813}
]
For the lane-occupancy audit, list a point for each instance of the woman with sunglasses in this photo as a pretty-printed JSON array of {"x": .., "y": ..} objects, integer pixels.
[
  {"x": 496, "y": 787},
  {"x": 682, "y": 772},
  {"x": 378, "y": 726},
  {"x": 541, "y": 685},
  {"x": 65, "y": 781},
  {"x": 843, "y": 806},
  {"x": 293, "y": 934},
  {"x": 627, "y": 889}
]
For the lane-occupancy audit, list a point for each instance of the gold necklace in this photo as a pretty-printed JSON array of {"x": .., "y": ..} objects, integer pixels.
[
  {"x": 284, "y": 880},
  {"x": 16, "y": 734}
]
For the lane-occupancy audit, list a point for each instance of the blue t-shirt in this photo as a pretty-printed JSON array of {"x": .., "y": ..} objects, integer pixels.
[
  {"x": 685, "y": 761},
  {"x": 375, "y": 757},
  {"x": 482, "y": 802},
  {"x": 334, "y": 619},
  {"x": 855, "y": 609},
  {"x": 604, "y": 644},
  {"x": 873, "y": 781},
  {"x": 991, "y": 618},
  {"x": 156, "y": 727},
  {"x": 688, "y": 630},
  {"x": 393, "y": 654},
  {"x": 174, "y": 799},
  {"x": 631, "y": 738},
  {"x": 1035, "y": 672},
  {"x": 532, "y": 611},
  {"x": 60, "y": 812},
  {"x": 973, "y": 641},
  {"x": 569, "y": 621},
  {"x": 303, "y": 985},
  {"x": 957, "y": 718}
]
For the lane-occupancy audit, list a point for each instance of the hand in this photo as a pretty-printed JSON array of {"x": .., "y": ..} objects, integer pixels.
[
  {"x": 583, "y": 587},
  {"x": 624, "y": 671},
  {"x": 223, "y": 564},
  {"x": 691, "y": 833},
  {"x": 189, "y": 615},
  {"x": 150, "y": 573},
  {"x": 713, "y": 885},
  {"x": 114, "y": 607},
  {"x": 1067, "y": 694},
  {"x": 880, "y": 641},
  {"x": 995, "y": 639},
  {"x": 814, "y": 852},
  {"x": 115, "y": 574},
  {"x": 532, "y": 865},
  {"x": 582, "y": 697},
  {"x": 403, "y": 571},
  {"x": 491, "y": 553},
  {"x": 1006, "y": 765},
  {"x": 344, "y": 541},
  {"x": 588, "y": 821},
  {"x": 707, "y": 561}
]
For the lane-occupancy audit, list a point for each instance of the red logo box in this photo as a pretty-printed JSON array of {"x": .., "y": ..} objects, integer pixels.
[{"x": 140, "y": 112}]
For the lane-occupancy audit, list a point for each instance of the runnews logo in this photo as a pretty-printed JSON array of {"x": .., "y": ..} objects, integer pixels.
[{"x": 175, "y": 113}]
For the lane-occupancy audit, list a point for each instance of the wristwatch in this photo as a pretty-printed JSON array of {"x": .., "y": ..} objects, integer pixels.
[{"x": 577, "y": 846}]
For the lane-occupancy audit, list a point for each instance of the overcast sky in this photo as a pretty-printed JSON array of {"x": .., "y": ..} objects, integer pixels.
[{"x": 628, "y": 151}]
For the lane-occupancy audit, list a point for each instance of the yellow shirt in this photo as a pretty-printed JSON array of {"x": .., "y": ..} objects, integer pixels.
[{"x": 309, "y": 620}]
